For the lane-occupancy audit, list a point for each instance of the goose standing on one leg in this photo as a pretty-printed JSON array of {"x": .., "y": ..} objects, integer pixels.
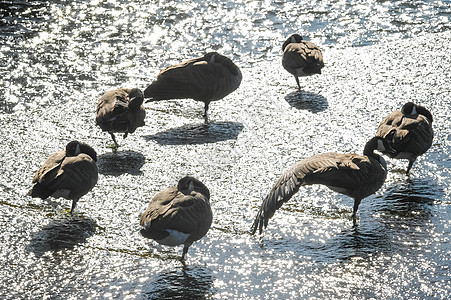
[
  {"x": 206, "y": 79},
  {"x": 69, "y": 174},
  {"x": 409, "y": 131},
  {"x": 178, "y": 215},
  {"x": 301, "y": 58},
  {"x": 121, "y": 110},
  {"x": 356, "y": 176}
]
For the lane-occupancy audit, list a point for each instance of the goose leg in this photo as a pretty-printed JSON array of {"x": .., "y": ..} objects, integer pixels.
[
  {"x": 205, "y": 112},
  {"x": 354, "y": 211},
  {"x": 74, "y": 203},
  {"x": 185, "y": 250},
  {"x": 297, "y": 81},
  {"x": 114, "y": 140},
  {"x": 411, "y": 161}
]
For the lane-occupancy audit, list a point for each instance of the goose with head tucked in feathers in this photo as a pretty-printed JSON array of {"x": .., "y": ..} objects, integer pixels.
[
  {"x": 354, "y": 175},
  {"x": 301, "y": 58},
  {"x": 178, "y": 215},
  {"x": 68, "y": 174},
  {"x": 121, "y": 110},
  {"x": 409, "y": 131},
  {"x": 206, "y": 79}
]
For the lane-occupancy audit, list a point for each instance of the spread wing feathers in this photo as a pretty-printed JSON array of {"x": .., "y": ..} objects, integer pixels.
[
  {"x": 112, "y": 111},
  {"x": 171, "y": 209},
  {"x": 195, "y": 79},
  {"x": 304, "y": 55},
  {"x": 78, "y": 175},
  {"x": 413, "y": 135},
  {"x": 343, "y": 171}
]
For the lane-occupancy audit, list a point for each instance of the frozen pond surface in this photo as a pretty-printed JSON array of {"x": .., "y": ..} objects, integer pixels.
[{"x": 58, "y": 57}]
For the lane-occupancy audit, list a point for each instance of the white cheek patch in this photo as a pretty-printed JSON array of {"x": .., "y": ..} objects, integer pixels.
[{"x": 414, "y": 110}]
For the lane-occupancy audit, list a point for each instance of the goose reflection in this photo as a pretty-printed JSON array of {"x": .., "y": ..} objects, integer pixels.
[
  {"x": 62, "y": 234},
  {"x": 303, "y": 100},
  {"x": 121, "y": 162},
  {"x": 410, "y": 199},
  {"x": 198, "y": 134},
  {"x": 184, "y": 283}
]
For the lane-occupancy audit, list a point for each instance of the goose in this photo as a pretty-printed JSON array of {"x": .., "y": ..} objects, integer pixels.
[
  {"x": 206, "y": 79},
  {"x": 354, "y": 175},
  {"x": 121, "y": 110},
  {"x": 409, "y": 130},
  {"x": 178, "y": 215},
  {"x": 68, "y": 174},
  {"x": 301, "y": 58}
]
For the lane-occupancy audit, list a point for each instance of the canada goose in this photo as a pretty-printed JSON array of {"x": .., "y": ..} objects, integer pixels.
[
  {"x": 208, "y": 78},
  {"x": 354, "y": 175},
  {"x": 409, "y": 131},
  {"x": 178, "y": 215},
  {"x": 121, "y": 110},
  {"x": 69, "y": 174},
  {"x": 301, "y": 58}
]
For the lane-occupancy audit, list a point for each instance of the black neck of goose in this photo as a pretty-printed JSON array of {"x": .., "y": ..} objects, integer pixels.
[{"x": 370, "y": 146}]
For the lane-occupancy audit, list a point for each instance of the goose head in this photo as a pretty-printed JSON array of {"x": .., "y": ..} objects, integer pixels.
[
  {"x": 189, "y": 184},
  {"x": 136, "y": 98},
  {"x": 410, "y": 109},
  {"x": 380, "y": 144},
  {"x": 294, "y": 38},
  {"x": 74, "y": 148}
]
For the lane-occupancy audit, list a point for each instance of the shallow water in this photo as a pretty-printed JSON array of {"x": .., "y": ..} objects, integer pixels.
[{"x": 58, "y": 57}]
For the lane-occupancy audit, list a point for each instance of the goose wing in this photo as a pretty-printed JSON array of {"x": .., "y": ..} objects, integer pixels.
[
  {"x": 77, "y": 174},
  {"x": 173, "y": 210},
  {"x": 50, "y": 168},
  {"x": 112, "y": 110},
  {"x": 196, "y": 79},
  {"x": 331, "y": 169},
  {"x": 413, "y": 135},
  {"x": 304, "y": 55}
]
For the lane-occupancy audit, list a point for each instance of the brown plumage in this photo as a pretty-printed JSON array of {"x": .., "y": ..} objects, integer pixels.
[
  {"x": 178, "y": 215},
  {"x": 409, "y": 130},
  {"x": 354, "y": 175},
  {"x": 69, "y": 174},
  {"x": 121, "y": 110},
  {"x": 206, "y": 79},
  {"x": 301, "y": 58}
]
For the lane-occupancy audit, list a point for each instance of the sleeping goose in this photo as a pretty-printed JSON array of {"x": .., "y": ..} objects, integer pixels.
[
  {"x": 354, "y": 175},
  {"x": 208, "y": 78},
  {"x": 301, "y": 58},
  {"x": 68, "y": 174},
  {"x": 409, "y": 131},
  {"x": 178, "y": 215},
  {"x": 120, "y": 110}
]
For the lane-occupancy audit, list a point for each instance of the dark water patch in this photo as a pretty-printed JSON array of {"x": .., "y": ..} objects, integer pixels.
[
  {"x": 185, "y": 283},
  {"x": 307, "y": 101},
  {"x": 410, "y": 199},
  {"x": 61, "y": 234},
  {"x": 18, "y": 18},
  {"x": 198, "y": 134},
  {"x": 121, "y": 162}
]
